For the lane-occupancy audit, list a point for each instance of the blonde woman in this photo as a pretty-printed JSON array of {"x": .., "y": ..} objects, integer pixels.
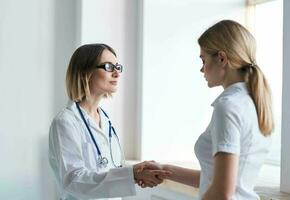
[
  {"x": 84, "y": 149},
  {"x": 233, "y": 147}
]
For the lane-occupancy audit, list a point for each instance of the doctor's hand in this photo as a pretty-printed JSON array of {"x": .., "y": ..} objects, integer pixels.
[{"x": 149, "y": 174}]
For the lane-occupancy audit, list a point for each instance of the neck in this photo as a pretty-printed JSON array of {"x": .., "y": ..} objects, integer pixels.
[
  {"x": 232, "y": 76},
  {"x": 91, "y": 105}
]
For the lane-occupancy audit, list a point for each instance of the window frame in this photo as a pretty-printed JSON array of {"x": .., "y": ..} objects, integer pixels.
[{"x": 285, "y": 136}]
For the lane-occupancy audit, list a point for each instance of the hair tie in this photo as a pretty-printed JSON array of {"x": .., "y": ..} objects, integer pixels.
[{"x": 253, "y": 64}]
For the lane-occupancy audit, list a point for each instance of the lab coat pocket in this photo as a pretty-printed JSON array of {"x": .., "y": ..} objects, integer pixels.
[{"x": 89, "y": 155}]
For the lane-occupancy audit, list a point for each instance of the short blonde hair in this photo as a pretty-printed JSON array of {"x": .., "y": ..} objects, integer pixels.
[
  {"x": 240, "y": 47},
  {"x": 81, "y": 66}
]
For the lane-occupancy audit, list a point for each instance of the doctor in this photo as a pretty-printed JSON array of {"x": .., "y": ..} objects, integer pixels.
[{"x": 84, "y": 149}]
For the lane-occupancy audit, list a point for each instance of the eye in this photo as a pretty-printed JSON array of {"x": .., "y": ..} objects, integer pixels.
[{"x": 109, "y": 67}]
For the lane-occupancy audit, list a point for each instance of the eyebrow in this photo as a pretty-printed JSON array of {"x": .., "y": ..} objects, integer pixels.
[{"x": 106, "y": 62}]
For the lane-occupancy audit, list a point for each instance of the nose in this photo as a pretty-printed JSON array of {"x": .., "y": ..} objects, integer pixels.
[
  {"x": 202, "y": 69},
  {"x": 116, "y": 74}
]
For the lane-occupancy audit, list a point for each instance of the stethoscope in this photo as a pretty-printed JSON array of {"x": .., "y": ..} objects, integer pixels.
[{"x": 102, "y": 161}]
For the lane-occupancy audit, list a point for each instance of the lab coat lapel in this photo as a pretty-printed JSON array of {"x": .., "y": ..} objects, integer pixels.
[
  {"x": 104, "y": 122},
  {"x": 72, "y": 106}
]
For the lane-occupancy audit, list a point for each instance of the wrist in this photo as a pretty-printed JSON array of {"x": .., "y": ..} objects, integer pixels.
[
  {"x": 135, "y": 168},
  {"x": 169, "y": 169}
]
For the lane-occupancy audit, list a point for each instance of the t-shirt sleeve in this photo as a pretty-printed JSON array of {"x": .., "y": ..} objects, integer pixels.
[{"x": 226, "y": 128}]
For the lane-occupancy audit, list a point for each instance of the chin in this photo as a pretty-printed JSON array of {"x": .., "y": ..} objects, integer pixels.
[
  {"x": 113, "y": 90},
  {"x": 210, "y": 85}
]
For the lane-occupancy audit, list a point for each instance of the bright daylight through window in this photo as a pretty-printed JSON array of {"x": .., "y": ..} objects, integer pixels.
[{"x": 268, "y": 27}]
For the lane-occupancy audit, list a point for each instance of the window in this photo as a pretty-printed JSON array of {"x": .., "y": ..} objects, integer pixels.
[
  {"x": 267, "y": 26},
  {"x": 176, "y": 102},
  {"x": 171, "y": 78}
]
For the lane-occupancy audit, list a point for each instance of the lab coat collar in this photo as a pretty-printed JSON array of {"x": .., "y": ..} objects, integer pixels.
[
  {"x": 236, "y": 87},
  {"x": 102, "y": 128}
]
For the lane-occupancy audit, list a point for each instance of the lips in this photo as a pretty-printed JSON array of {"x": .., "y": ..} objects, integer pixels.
[{"x": 114, "y": 82}]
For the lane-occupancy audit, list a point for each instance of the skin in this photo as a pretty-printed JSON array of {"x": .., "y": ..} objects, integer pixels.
[
  {"x": 179, "y": 174},
  {"x": 214, "y": 71},
  {"x": 217, "y": 72},
  {"x": 150, "y": 177},
  {"x": 101, "y": 83},
  {"x": 224, "y": 177}
]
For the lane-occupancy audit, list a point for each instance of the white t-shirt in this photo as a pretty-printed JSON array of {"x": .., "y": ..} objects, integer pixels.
[{"x": 233, "y": 129}]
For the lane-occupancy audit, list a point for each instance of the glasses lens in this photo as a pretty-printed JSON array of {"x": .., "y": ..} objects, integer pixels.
[
  {"x": 109, "y": 67},
  {"x": 119, "y": 68}
]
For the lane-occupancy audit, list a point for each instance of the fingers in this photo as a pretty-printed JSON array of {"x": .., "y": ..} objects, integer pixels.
[
  {"x": 139, "y": 167},
  {"x": 149, "y": 173},
  {"x": 145, "y": 184},
  {"x": 161, "y": 177},
  {"x": 160, "y": 172},
  {"x": 152, "y": 165},
  {"x": 151, "y": 176},
  {"x": 156, "y": 175},
  {"x": 146, "y": 165}
]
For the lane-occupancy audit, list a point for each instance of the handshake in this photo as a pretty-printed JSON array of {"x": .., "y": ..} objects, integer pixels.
[{"x": 150, "y": 173}]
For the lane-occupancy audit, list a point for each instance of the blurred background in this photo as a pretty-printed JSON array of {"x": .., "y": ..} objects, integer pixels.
[{"x": 163, "y": 103}]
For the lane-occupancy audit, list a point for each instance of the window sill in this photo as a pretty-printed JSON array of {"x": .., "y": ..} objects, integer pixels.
[{"x": 268, "y": 184}]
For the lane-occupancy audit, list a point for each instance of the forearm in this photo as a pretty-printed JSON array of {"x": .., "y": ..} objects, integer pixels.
[
  {"x": 183, "y": 175},
  {"x": 86, "y": 184}
]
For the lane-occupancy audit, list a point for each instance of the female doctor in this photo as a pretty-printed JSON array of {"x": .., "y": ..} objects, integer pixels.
[{"x": 84, "y": 149}]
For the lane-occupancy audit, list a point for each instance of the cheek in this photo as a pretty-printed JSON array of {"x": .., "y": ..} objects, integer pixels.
[
  {"x": 207, "y": 69},
  {"x": 96, "y": 80},
  {"x": 219, "y": 75},
  {"x": 101, "y": 76}
]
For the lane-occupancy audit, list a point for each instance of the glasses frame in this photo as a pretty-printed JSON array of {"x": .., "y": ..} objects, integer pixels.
[{"x": 110, "y": 67}]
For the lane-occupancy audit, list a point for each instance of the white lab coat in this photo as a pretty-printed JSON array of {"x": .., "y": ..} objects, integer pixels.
[{"x": 72, "y": 156}]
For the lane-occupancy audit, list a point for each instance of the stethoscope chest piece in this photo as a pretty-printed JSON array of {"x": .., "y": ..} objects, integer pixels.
[{"x": 102, "y": 162}]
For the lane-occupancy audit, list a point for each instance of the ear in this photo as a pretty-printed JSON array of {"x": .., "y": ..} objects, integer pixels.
[{"x": 222, "y": 58}]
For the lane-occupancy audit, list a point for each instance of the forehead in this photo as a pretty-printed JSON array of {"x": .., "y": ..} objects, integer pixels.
[{"x": 108, "y": 56}]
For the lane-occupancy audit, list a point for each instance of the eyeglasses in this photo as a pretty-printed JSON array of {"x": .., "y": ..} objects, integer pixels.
[{"x": 109, "y": 67}]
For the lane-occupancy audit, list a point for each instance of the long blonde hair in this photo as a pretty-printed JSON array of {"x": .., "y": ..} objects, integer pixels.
[{"x": 240, "y": 47}]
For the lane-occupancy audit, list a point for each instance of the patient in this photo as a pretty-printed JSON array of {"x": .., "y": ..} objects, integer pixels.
[{"x": 235, "y": 144}]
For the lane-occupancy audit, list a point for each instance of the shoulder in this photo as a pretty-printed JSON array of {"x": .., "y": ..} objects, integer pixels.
[
  {"x": 235, "y": 102},
  {"x": 64, "y": 116},
  {"x": 227, "y": 106},
  {"x": 64, "y": 123}
]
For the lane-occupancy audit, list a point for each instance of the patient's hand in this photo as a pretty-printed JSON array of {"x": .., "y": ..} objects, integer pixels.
[{"x": 149, "y": 174}]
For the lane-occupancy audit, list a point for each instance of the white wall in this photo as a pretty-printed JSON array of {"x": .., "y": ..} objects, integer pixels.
[
  {"x": 285, "y": 158},
  {"x": 173, "y": 108},
  {"x": 115, "y": 23},
  {"x": 36, "y": 41}
]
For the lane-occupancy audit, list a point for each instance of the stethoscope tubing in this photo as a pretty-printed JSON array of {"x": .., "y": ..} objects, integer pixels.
[{"x": 102, "y": 160}]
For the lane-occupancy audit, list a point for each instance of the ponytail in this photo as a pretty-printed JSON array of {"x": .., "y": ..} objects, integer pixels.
[{"x": 261, "y": 95}]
